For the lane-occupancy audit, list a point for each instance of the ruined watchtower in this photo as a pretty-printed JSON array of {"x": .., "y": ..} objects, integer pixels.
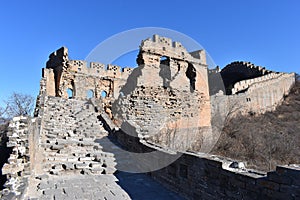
[
  {"x": 167, "y": 96},
  {"x": 166, "y": 99}
]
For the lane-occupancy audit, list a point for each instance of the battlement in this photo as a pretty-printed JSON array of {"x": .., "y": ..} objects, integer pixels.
[
  {"x": 238, "y": 71},
  {"x": 245, "y": 84},
  {"x": 285, "y": 81},
  {"x": 166, "y": 47},
  {"x": 214, "y": 71},
  {"x": 98, "y": 69},
  {"x": 250, "y": 65}
]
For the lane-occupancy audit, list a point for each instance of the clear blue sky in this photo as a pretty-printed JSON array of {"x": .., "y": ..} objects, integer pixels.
[{"x": 265, "y": 32}]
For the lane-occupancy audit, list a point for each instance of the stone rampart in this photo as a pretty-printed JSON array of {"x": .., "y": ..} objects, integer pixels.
[
  {"x": 238, "y": 71},
  {"x": 203, "y": 176},
  {"x": 215, "y": 178}
]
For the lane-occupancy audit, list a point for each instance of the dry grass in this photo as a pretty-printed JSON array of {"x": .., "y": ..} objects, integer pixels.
[{"x": 266, "y": 140}]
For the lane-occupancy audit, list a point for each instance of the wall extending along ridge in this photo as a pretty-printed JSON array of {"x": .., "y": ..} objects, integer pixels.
[
  {"x": 258, "y": 95},
  {"x": 262, "y": 93},
  {"x": 237, "y": 71}
]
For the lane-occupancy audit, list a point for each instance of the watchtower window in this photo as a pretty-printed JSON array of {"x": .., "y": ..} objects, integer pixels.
[
  {"x": 70, "y": 93},
  {"x": 165, "y": 71},
  {"x": 90, "y": 94},
  {"x": 103, "y": 94},
  {"x": 163, "y": 59},
  {"x": 191, "y": 74}
]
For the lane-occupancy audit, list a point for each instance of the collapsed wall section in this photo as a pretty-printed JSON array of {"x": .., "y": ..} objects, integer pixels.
[
  {"x": 21, "y": 133},
  {"x": 69, "y": 129},
  {"x": 57, "y": 151}
]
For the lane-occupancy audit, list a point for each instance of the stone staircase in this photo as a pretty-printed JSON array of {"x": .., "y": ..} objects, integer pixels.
[{"x": 70, "y": 128}]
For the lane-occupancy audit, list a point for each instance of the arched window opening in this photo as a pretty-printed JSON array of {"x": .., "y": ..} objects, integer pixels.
[
  {"x": 70, "y": 93},
  {"x": 163, "y": 59},
  {"x": 165, "y": 71},
  {"x": 90, "y": 94},
  {"x": 121, "y": 94},
  {"x": 191, "y": 74},
  {"x": 103, "y": 94}
]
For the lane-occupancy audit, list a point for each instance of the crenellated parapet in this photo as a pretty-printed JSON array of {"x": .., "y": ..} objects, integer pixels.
[
  {"x": 283, "y": 80},
  {"x": 242, "y": 64},
  {"x": 163, "y": 46},
  {"x": 97, "y": 69},
  {"x": 245, "y": 84},
  {"x": 79, "y": 79},
  {"x": 249, "y": 88},
  {"x": 238, "y": 71}
]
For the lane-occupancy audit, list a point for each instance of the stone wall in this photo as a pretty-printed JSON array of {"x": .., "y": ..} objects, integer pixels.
[
  {"x": 203, "y": 176},
  {"x": 212, "y": 178},
  {"x": 18, "y": 167},
  {"x": 237, "y": 71},
  {"x": 256, "y": 95},
  {"x": 167, "y": 73}
]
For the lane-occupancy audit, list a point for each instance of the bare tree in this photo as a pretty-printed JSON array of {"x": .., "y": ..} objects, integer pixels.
[
  {"x": 2, "y": 115},
  {"x": 19, "y": 104}
]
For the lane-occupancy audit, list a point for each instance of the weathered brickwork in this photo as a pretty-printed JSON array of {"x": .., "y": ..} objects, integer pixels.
[
  {"x": 78, "y": 80},
  {"x": 167, "y": 95},
  {"x": 55, "y": 155},
  {"x": 69, "y": 131},
  {"x": 18, "y": 166}
]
